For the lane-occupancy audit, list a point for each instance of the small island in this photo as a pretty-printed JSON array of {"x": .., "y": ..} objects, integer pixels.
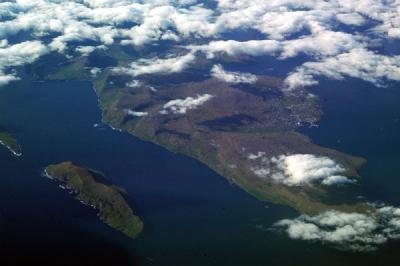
[
  {"x": 90, "y": 188},
  {"x": 10, "y": 142}
]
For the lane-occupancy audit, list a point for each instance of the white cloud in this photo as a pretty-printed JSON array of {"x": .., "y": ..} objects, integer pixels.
[
  {"x": 287, "y": 28},
  {"x": 282, "y": 18},
  {"x": 319, "y": 44},
  {"x": 17, "y": 55},
  {"x": 351, "y": 19},
  {"x": 322, "y": 43},
  {"x": 385, "y": 12},
  {"x": 336, "y": 179},
  {"x": 171, "y": 36},
  {"x": 351, "y": 231},
  {"x": 181, "y": 106},
  {"x": 6, "y": 78},
  {"x": 136, "y": 113},
  {"x": 94, "y": 71},
  {"x": 255, "y": 156},
  {"x": 394, "y": 33},
  {"x": 276, "y": 19},
  {"x": 234, "y": 48},
  {"x": 232, "y": 77},
  {"x": 299, "y": 169},
  {"x": 87, "y": 50},
  {"x": 157, "y": 65},
  {"x": 134, "y": 84},
  {"x": 358, "y": 63},
  {"x": 21, "y": 53},
  {"x": 3, "y": 43}
]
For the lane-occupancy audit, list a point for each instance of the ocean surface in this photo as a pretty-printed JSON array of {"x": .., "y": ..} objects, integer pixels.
[{"x": 192, "y": 216}]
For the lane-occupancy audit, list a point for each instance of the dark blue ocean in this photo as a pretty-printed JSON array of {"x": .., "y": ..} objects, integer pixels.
[{"x": 192, "y": 216}]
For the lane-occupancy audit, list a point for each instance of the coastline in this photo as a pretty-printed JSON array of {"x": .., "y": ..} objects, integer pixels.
[
  {"x": 15, "y": 153},
  {"x": 279, "y": 138},
  {"x": 47, "y": 175},
  {"x": 111, "y": 207}
]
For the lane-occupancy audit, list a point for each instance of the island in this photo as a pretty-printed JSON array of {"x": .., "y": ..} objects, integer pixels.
[
  {"x": 89, "y": 187},
  {"x": 246, "y": 132},
  {"x": 10, "y": 142}
]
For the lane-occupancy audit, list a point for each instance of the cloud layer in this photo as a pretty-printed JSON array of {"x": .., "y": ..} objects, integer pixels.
[{"x": 335, "y": 35}]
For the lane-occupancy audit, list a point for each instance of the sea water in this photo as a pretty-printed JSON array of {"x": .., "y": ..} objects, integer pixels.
[{"x": 192, "y": 216}]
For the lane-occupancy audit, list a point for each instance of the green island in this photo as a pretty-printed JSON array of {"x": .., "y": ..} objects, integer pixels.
[
  {"x": 237, "y": 120},
  {"x": 10, "y": 142},
  {"x": 88, "y": 187}
]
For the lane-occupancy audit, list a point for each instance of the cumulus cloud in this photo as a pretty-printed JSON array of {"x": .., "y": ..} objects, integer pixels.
[
  {"x": 358, "y": 63},
  {"x": 157, "y": 65},
  {"x": 287, "y": 28},
  {"x": 232, "y": 77},
  {"x": 17, "y": 55},
  {"x": 281, "y": 19},
  {"x": 87, "y": 50},
  {"x": 300, "y": 169},
  {"x": 6, "y": 78},
  {"x": 350, "y": 231},
  {"x": 385, "y": 12},
  {"x": 322, "y": 43},
  {"x": 21, "y": 53},
  {"x": 181, "y": 106}
]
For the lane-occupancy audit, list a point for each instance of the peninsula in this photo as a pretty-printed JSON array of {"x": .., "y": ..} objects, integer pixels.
[{"x": 248, "y": 133}]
